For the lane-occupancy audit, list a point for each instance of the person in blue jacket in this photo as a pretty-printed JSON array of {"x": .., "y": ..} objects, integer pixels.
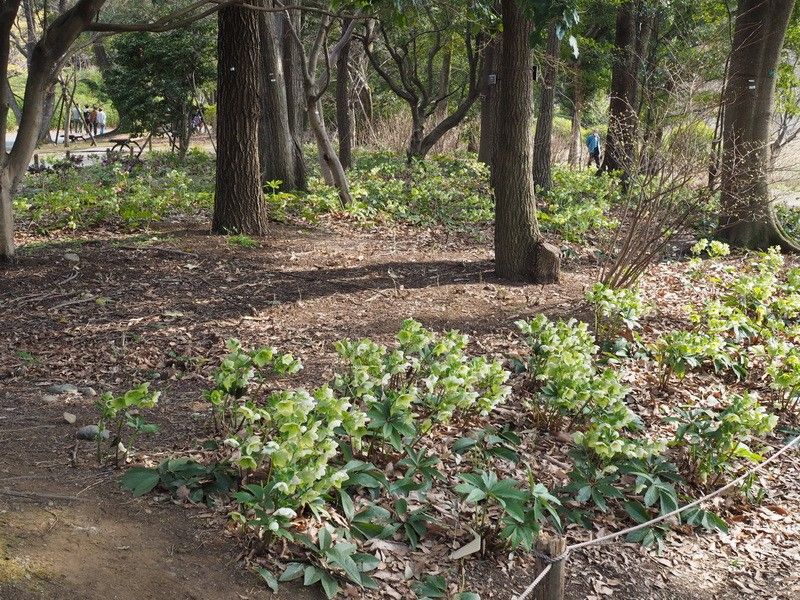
[{"x": 593, "y": 144}]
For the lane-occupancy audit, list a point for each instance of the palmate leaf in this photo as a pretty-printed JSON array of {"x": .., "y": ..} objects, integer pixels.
[
  {"x": 431, "y": 587},
  {"x": 292, "y": 571},
  {"x": 341, "y": 556}
]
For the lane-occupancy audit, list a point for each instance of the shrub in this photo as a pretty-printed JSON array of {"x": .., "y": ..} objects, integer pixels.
[
  {"x": 234, "y": 377},
  {"x": 522, "y": 511},
  {"x": 713, "y": 440},
  {"x": 110, "y": 195},
  {"x": 784, "y": 371},
  {"x": 427, "y": 376},
  {"x": 123, "y": 412},
  {"x": 565, "y": 384},
  {"x": 679, "y": 352},
  {"x": 615, "y": 310},
  {"x": 578, "y": 204}
]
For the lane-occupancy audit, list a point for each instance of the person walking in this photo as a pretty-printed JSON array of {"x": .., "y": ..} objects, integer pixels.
[
  {"x": 93, "y": 120},
  {"x": 101, "y": 120},
  {"x": 593, "y": 144},
  {"x": 75, "y": 119},
  {"x": 86, "y": 114}
]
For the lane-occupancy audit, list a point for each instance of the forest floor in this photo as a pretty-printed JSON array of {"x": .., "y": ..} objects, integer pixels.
[{"x": 104, "y": 311}]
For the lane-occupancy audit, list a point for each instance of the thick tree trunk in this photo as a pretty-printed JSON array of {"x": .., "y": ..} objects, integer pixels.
[
  {"x": 7, "y": 16},
  {"x": 622, "y": 112},
  {"x": 542, "y": 146},
  {"x": 277, "y": 144},
  {"x": 344, "y": 113},
  {"x": 747, "y": 218},
  {"x": 520, "y": 252},
  {"x": 238, "y": 199},
  {"x": 487, "y": 143}
]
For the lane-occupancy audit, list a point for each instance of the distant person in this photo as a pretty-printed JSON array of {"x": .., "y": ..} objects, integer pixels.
[
  {"x": 101, "y": 120},
  {"x": 593, "y": 144},
  {"x": 93, "y": 120},
  {"x": 75, "y": 118},
  {"x": 197, "y": 122},
  {"x": 86, "y": 113}
]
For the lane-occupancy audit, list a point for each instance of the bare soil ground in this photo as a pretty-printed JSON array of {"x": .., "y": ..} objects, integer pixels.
[{"x": 106, "y": 311}]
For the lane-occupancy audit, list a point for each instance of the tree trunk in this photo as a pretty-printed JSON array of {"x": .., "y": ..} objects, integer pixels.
[
  {"x": 622, "y": 115},
  {"x": 344, "y": 114},
  {"x": 238, "y": 199},
  {"x": 327, "y": 153},
  {"x": 520, "y": 252},
  {"x": 47, "y": 117},
  {"x": 42, "y": 64},
  {"x": 542, "y": 145},
  {"x": 295, "y": 96},
  {"x": 576, "y": 137},
  {"x": 486, "y": 147},
  {"x": 747, "y": 218},
  {"x": 417, "y": 133},
  {"x": 101, "y": 58},
  {"x": 441, "y": 111},
  {"x": 12, "y": 102},
  {"x": 293, "y": 73},
  {"x": 276, "y": 141}
]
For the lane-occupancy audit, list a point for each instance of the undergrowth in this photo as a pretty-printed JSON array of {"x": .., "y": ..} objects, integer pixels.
[{"x": 448, "y": 191}]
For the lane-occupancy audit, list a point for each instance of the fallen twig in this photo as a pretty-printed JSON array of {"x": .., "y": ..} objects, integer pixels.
[{"x": 38, "y": 496}]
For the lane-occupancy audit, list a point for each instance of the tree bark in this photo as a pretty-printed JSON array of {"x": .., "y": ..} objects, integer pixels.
[
  {"x": 520, "y": 251},
  {"x": 277, "y": 145},
  {"x": 622, "y": 115},
  {"x": 293, "y": 73},
  {"x": 486, "y": 147},
  {"x": 344, "y": 112},
  {"x": 542, "y": 154},
  {"x": 295, "y": 96},
  {"x": 576, "y": 137},
  {"x": 238, "y": 199},
  {"x": 47, "y": 116},
  {"x": 747, "y": 217}
]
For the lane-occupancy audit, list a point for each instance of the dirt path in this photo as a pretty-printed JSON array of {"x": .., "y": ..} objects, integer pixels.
[{"x": 104, "y": 313}]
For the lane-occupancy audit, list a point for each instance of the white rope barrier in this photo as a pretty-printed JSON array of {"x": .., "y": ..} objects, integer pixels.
[{"x": 677, "y": 511}]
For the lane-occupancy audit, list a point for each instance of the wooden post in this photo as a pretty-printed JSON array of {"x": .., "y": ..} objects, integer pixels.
[
  {"x": 68, "y": 155},
  {"x": 552, "y": 586},
  {"x": 36, "y": 161}
]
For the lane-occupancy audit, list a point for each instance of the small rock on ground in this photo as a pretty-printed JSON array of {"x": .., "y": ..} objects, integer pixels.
[{"x": 90, "y": 432}]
